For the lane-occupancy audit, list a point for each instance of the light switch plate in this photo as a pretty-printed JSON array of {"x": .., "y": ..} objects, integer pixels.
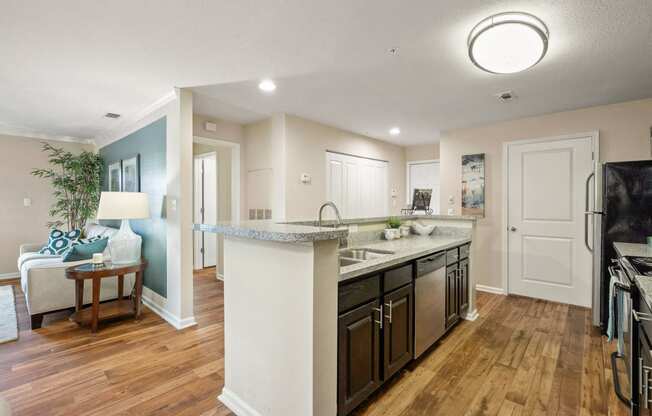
[
  {"x": 27, "y": 202},
  {"x": 173, "y": 204},
  {"x": 306, "y": 179}
]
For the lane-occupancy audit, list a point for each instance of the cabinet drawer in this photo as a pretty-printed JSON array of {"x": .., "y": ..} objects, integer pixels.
[
  {"x": 464, "y": 251},
  {"x": 452, "y": 256},
  {"x": 353, "y": 294},
  {"x": 398, "y": 277}
]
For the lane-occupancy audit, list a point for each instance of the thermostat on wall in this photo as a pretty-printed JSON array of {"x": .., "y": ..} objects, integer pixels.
[{"x": 208, "y": 126}]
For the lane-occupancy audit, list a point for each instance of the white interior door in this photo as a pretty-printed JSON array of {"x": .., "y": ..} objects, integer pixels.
[
  {"x": 205, "y": 209},
  {"x": 547, "y": 257},
  {"x": 357, "y": 185},
  {"x": 424, "y": 175}
]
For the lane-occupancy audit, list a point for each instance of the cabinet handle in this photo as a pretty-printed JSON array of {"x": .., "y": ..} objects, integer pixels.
[
  {"x": 640, "y": 316},
  {"x": 380, "y": 314},
  {"x": 390, "y": 305},
  {"x": 646, "y": 389},
  {"x": 640, "y": 376}
]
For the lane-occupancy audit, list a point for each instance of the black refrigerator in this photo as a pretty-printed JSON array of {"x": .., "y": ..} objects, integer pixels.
[{"x": 626, "y": 215}]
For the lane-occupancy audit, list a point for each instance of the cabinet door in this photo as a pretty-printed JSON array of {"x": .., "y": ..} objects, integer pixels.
[
  {"x": 463, "y": 286},
  {"x": 452, "y": 315},
  {"x": 358, "y": 355},
  {"x": 398, "y": 329}
]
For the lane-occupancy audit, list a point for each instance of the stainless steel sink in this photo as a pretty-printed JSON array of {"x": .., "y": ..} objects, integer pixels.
[
  {"x": 363, "y": 253},
  {"x": 348, "y": 262}
]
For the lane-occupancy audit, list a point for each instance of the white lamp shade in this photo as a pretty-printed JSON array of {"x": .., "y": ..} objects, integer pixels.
[{"x": 123, "y": 206}]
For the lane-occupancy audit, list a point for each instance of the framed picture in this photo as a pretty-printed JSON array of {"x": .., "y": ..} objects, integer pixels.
[
  {"x": 131, "y": 174},
  {"x": 115, "y": 176},
  {"x": 421, "y": 199},
  {"x": 473, "y": 185}
]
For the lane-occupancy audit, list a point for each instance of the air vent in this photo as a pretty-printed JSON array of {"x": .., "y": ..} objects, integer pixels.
[
  {"x": 506, "y": 96},
  {"x": 112, "y": 115}
]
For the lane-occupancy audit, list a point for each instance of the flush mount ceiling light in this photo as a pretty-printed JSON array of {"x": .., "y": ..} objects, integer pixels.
[
  {"x": 267, "y": 85},
  {"x": 394, "y": 131},
  {"x": 507, "y": 43}
]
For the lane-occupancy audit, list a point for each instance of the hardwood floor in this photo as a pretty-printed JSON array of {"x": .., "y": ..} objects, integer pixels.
[{"x": 520, "y": 357}]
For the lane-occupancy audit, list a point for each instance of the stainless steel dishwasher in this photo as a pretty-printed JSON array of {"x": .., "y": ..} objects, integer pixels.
[{"x": 430, "y": 302}]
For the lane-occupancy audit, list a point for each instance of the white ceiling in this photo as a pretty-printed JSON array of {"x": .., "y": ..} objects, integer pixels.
[{"x": 66, "y": 63}]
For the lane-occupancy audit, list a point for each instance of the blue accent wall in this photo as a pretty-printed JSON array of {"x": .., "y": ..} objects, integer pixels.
[{"x": 149, "y": 142}]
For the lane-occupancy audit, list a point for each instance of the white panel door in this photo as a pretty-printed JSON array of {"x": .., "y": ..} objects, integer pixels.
[
  {"x": 547, "y": 258},
  {"x": 205, "y": 209},
  {"x": 424, "y": 175},
  {"x": 357, "y": 185}
]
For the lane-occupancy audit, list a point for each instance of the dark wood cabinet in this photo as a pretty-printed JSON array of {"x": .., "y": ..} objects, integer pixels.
[
  {"x": 452, "y": 292},
  {"x": 398, "y": 308},
  {"x": 358, "y": 355},
  {"x": 376, "y": 324},
  {"x": 463, "y": 287}
]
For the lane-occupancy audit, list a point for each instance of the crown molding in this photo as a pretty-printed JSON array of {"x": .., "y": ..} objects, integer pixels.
[
  {"x": 19, "y": 131},
  {"x": 131, "y": 123}
]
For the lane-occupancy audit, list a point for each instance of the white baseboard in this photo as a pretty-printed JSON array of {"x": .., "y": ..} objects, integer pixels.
[
  {"x": 236, "y": 404},
  {"x": 158, "y": 303},
  {"x": 220, "y": 276},
  {"x": 490, "y": 289},
  {"x": 7, "y": 276},
  {"x": 472, "y": 315}
]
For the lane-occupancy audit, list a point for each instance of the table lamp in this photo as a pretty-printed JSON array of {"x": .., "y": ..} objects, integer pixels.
[{"x": 125, "y": 244}]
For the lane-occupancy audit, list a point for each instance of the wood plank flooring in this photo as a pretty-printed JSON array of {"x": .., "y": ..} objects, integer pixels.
[{"x": 520, "y": 357}]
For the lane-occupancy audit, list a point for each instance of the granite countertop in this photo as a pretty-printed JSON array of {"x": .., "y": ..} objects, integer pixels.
[
  {"x": 371, "y": 220},
  {"x": 644, "y": 283},
  {"x": 273, "y": 231},
  {"x": 405, "y": 249}
]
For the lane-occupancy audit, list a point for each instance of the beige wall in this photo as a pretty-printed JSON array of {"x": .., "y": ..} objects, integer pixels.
[
  {"x": 422, "y": 152},
  {"x": 307, "y": 143},
  {"x": 624, "y": 135},
  {"x": 20, "y": 224}
]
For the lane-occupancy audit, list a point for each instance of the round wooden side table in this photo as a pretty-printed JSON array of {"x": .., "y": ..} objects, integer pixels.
[{"x": 107, "y": 310}]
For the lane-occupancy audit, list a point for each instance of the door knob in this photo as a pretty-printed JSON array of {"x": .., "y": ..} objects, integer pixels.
[{"x": 512, "y": 228}]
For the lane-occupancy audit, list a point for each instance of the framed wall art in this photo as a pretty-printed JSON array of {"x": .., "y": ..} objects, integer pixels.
[{"x": 473, "y": 195}]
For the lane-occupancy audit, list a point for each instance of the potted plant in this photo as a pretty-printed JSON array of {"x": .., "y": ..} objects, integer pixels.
[
  {"x": 392, "y": 231},
  {"x": 76, "y": 179}
]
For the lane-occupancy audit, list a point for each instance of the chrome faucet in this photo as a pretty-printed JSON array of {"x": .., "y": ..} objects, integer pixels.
[
  {"x": 337, "y": 212},
  {"x": 343, "y": 241}
]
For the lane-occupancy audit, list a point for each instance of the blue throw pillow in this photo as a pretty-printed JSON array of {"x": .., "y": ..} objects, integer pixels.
[
  {"x": 85, "y": 251},
  {"x": 60, "y": 241},
  {"x": 90, "y": 239}
]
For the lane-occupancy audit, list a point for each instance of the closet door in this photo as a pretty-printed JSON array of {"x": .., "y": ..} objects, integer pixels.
[{"x": 357, "y": 185}]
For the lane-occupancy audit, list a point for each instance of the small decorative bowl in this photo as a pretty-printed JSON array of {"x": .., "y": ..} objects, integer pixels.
[{"x": 422, "y": 229}]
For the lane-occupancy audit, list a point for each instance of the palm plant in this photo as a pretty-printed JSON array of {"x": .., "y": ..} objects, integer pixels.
[{"x": 76, "y": 179}]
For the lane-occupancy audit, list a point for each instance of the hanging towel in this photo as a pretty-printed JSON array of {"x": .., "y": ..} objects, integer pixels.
[{"x": 617, "y": 318}]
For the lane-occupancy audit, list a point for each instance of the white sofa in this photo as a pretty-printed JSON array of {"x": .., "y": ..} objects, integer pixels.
[{"x": 44, "y": 283}]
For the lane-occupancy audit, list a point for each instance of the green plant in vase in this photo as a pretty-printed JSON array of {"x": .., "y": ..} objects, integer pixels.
[
  {"x": 394, "y": 222},
  {"x": 76, "y": 179}
]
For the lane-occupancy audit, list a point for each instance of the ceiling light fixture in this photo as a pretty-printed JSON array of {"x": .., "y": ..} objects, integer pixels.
[
  {"x": 112, "y": 115},
  {"x": 267, "y": 85},
  {"x": 394, "y": 131},
  {"x": 507, "y": 43}
]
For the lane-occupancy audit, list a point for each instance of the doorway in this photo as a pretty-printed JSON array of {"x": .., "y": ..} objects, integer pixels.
[
  {"x": 423, "y": 174},
  {"x": 225, "y": 182},
  {"x": 205, "y": 208},
  {"x": 546, "y": 228}
]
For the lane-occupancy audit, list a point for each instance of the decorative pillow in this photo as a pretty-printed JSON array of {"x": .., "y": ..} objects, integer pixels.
[
  {"x": 85, "y": 251},
  {"x": 59, "y": 241},
  {"x": 89, "y": 239}
]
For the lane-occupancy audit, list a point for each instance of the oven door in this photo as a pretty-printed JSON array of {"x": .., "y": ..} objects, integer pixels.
[{"x": 621, "y": 360}]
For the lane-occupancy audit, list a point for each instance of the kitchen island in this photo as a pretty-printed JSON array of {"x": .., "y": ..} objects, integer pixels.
[{"x": 281, "y": 305}]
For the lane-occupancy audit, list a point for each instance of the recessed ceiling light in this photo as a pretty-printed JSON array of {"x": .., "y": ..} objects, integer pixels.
[
  {"x": 267, "y": 85},
  {"x": 507, "y": 43},
  {"x": 112, "y": 115},
  {"x": 394, "y": 131}
]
